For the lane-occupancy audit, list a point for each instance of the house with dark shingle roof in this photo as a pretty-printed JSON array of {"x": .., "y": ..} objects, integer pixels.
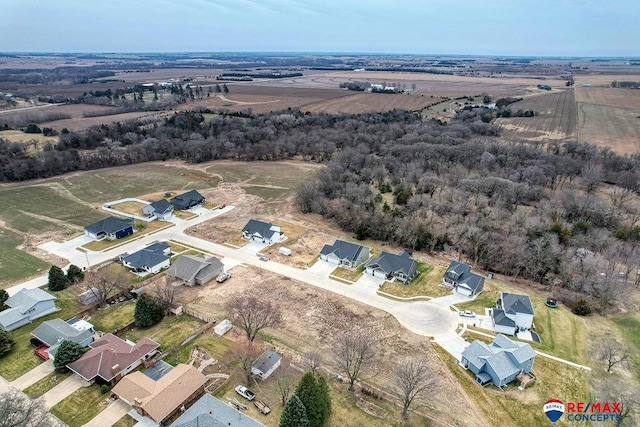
[
  {"x": 388, "y": 266},
  {"x": 161, "y": 399},
  {"x": 211, "y": 412},
  {"x": 187, "y": 200},
  {"x": 266, "y": 364},
  {"x": 111, "y": 228},
  {"x": 51, "y": 333},
  {"x": 513, "y": 312},
  {"x": 459, "y": 276},
  {"x": 111, "y": 358},
  {"x": 195, "y": 270},
  {"x": 261, "y": 231},
  {"x": 151, "y": 259},
  {"x": 160, "y": 209},
  {"x": 344, "y": 254},
  {"x": 499, "y": 362},
  {"x": 26, "y": 305}
]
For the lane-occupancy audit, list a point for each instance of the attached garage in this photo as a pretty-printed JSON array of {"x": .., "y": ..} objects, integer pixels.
[{"x": 464, "y": 290}]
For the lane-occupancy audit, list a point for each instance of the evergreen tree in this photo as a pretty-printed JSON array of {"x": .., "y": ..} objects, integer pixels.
[
  {"x": 147, "y": 312},
  {"x": 294, "y": 414},
  {"x": 5, "y": 343},
  {"x": 57, "y": 279},
  {"x": 325, "y": 397},
  {"x": 218, "y": 90},
  {"x": 68, "y": 352},
  {"x": 3, "y": 296},
  {"x": 309, "y": 393},
  {"x": 74, "y": 274},
  {"x": 225, "y": 89}
]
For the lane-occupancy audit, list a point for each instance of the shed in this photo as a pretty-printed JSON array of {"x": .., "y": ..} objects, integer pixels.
[
  {"x": 266, "y": 364},
  {"x": 223, "y": 327},
  {"x": 284, "y": 251}
]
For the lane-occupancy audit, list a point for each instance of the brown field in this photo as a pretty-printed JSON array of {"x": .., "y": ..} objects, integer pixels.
[
  {"x": 556, "y": 122},
  {"x": 609, "y": 96},
  {"x": 604, "y": 79},
  {"x": 615, "y": 127},
  {"x": 367, "y": 102}
]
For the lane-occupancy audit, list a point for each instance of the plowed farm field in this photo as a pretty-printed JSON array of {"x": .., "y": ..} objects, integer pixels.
[{"x": 557, "y": 119}]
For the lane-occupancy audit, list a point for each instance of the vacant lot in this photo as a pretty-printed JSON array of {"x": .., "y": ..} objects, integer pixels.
[
  {"x": 16, "y": 264},
  {"x": 556, "y": 122}
]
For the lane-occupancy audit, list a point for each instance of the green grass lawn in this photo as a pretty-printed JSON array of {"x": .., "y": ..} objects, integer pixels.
[
  {"x": 114, "y": 317},
  {"x": 125, "y": 421},
  {"x": 169, "y": 332},
  {"x": 44, "y": 385},
  {"x": 81, "y": 406},
  {"x": 14, "y": 263},
  {"x": 351, "y": 275},
  {"x": 522, "y": 408},
  {"x": 217, "y": 347},
  {"x": 629, "y": 328},
  {"x": 21, "y": 359},
  {"x": 426, "y": 283}
]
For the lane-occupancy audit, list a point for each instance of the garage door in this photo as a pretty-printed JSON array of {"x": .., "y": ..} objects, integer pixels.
[
  {"x": 464, "y": 291},
  {"x": 380, "y": 274}
]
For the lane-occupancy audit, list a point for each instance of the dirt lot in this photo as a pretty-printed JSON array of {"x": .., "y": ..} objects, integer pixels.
[{"x": 312, "y": 318}]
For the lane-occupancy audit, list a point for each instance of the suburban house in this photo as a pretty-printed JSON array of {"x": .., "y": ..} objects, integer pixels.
[
  {"x": 344, "y": 254},
  {"x": 388, "y": 266},
  {"x": 48, "y": 336},
  {"x": 459, "y": 276},
  {"x": 160, "y": 209},
  {"x": 26, "y": 305},
  {"x": 187, "y": 200},
  {"x": 500, "y": 362},
  {"x": 111, "y": 228},
  {"x": 212, "y": 412},
  {"x": 266, "y": 364},
  {"x": 513, "y": 312},
  {"x": 261, "y": 231},
  {"x": 160, "y": 399},
  {"x": 151, "y": 259},
  {"x": 111, "y": 358},
  {"x": 195, "y": 270}
]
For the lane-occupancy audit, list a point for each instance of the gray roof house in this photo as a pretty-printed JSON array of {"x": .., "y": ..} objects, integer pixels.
[
  {"x": 266, "y": 364},
  {"x": 345, "y": 254},
  {"x": 500, "y": 362},
  {"x": 51, "y": 333},
  {"x": 262, "y": 231},
  {"x": 151, "y": 259},
  {"x": 25, "y": 306},
  {"x": 187, "y": 200},
  {"x": 160, "y": 209},
  {"x": 195, "y": 270},
  {"x": 459, "y": 275},
  {"x": 513, "y": 312},
  {"x": 111, "y": 228},
  {"x": 393, "y": 267},
  {"x": 211, "y": 412}
]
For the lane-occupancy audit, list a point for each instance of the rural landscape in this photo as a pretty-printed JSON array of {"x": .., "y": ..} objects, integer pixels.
[{"x": 318, "y": 239}]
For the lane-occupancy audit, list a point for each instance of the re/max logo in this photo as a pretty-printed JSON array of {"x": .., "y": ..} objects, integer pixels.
[{"x": 595, "y": 407}]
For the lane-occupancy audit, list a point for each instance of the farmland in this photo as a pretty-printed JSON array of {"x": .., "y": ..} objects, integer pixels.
[{"x": 556, "y": 122}]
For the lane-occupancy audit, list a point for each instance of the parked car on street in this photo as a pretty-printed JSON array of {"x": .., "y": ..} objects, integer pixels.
[
  {"x": 466, "y": 313},
  {"x": 264, "y": 258},
  {"x": 245, "y": 392}
]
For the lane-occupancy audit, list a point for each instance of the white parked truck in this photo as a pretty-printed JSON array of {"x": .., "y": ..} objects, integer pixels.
[{"x": 245, "y": 392}]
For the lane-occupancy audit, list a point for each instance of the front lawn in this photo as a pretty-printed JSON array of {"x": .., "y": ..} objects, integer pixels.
[
  {"x": 113, "y": 318},
  {"x": 125, "y": 421},
  {"x": 426, "y": 283},
  {"x": 44, "y": 385},
  {"x": 81, "y": 406},
  {"x": 168, "y": 332},
  {"x": 350, "y": 275}
]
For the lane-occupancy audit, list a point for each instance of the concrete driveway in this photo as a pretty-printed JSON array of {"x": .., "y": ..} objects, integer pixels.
[
  {"x": 62, "y": 390},
  {"x": 110, "y": 415},
  {"x": 253, "y": 247},
  {"x": 453, "y": 299},
  {"x": 453, "y": 344},
  {"x": 369, "y": 283},
  {"x": 34, "y": 375},
  {"x": 322, "y": 268}
]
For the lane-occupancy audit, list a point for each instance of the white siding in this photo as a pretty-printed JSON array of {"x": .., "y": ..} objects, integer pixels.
[
  {"x": 507, "y": 330},
  {"x": 464, "y": 291},
  {"x": 160, "y": 266},
  {"x": 524, "y": 320}
]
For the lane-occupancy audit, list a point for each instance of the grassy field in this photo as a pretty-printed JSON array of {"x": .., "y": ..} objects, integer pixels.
[
  {"x": 81, "y": 406},
  {"x": 133, "y": 208},
  {"x": 557, "y": 120},
  {"x": 37, "y": 139},
  {"x": 113, "y": 318},
  {"x": 427, "y": 283},
  {"x": 44, "y": 385},
  {"x": 347, "y": 274},
  {"x": 169, "y": 332},
  {"x": 14, "y": 263},
  {"x": 21, "y": 358},
  {"x": 523, "y": 408},
  {"x": 610, "y": 126},
  {"x": 629, "y": 327}
]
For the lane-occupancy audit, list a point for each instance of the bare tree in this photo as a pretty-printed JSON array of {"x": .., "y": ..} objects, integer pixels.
[
  {"x": 312, "y": 361},
  {"x": 353, "y": 351},
  {"x": 17, "y": 410},
  {"x": 412, "y": 377},
  {"x": 286, "y": 382},
  {"x": 613, "y": 353},
  {"x": 253, "y": 314},
  {"x": 164, "y": 292},
  {"x": 628, "y": 397},
  {"x": 103, "y": 284},
  {"x": 246, "y": 354}
]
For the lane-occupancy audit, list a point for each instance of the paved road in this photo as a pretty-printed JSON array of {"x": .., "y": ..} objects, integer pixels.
[
  {"x": 34, "y": 375},
  {"x": 16, "y": 110}
]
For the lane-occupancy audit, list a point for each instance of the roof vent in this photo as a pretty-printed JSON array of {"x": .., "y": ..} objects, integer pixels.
[{"x": 115, "y": 367}]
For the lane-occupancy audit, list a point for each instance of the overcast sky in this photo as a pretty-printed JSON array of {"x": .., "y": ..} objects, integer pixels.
[{"x": 493, "y": 27}]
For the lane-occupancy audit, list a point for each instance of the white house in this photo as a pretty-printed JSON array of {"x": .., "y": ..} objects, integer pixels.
[
  {"x": 161, "y": 209},
  {"x": 262, "y": 232},
  {"x": 513, "y": 312},
  {"x": 151, "y": 259},
  {"x": 266, "y": 364},
  {"x": 344, "y": 254},
  {"x": 25, "y": 306}
]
